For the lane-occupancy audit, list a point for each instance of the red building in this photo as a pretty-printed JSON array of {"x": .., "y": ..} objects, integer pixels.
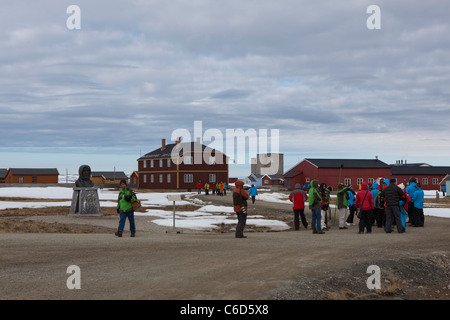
[
  {"x": 181, "y": 165},
  {"x": 428, "y": 176},
  {"x": 331, "y": 171}
]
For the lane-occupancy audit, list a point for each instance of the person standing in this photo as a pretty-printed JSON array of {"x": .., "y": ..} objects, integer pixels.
[
  {"x": 342, "y": 203},
  {"x": 221, "y": 188},
  {"x": 206, "y": 188},
  {"x": 364, "y": 201},
  {"x": 125, "y": 208},
  {"x": 417, "y": 199},
  {"x": 444, "y": 188},
  {"x": 325, "y": 205},
  {"x": 314, "y": 202},
  {"x": 351, "y": 206},
  {"x": 410, "y": 189},
  {"x": 298, "y": 198},
  {"x": 240, "y": 198},
  {"x": 253, "y": 192},
  {"x": 199, "y": 187},
  {"x": 392, "y": 195}
]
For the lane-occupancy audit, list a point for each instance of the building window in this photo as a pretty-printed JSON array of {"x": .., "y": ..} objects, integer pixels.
[
  {"x": 160, "y": 178},
  {"x": 187, "y": 160},
  {"x": 145, "y": 178},
  {"x": 188, "y": 178},
  {"x": 212, "y": 177},
  {"x": 359, "y": 181},
  {"x": 308, "y": 179},
  {"x": 168, "y": 178},
  {"x": 370, "y": 180},
  {"x": 435, "y": 181},
  {"x": 20, "y": 179},
  {"x": 151, "y": 163},
  {"x": 33, "y": 179},
  {"x": 161, "y": 164},
  {"x": 347, "y": 181},
  {"x": 152, "y": 178},
  {"x": 168, "y": 163},
  {"x": 424, "y": 180},
  {"x": 145, "y": 164}
]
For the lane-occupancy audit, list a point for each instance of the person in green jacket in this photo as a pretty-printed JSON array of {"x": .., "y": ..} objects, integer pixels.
[
  {"x": 125, "y": 208},
  {"x": 342, "y": 203},
  {"x": 314, "y": 199}
]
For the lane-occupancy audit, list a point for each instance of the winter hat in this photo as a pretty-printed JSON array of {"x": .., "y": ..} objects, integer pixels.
[{"x": 123, "y": 181}]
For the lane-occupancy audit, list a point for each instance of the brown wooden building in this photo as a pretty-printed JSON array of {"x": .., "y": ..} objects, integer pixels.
[
  {"x": 32, "y": 175},
  {"x": 181, "y": 165},
  {"x": 108, "y": 177}
]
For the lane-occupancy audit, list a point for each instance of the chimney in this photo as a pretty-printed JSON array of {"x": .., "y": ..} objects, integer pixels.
[{"x": 163, "y": 144}]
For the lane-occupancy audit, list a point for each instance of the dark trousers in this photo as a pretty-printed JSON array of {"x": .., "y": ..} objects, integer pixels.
[
  {"x": 391, "y": 213},
  {"x": 411, "y": 213},
  {"x": 379, "y": 217},
  {"x": 242, "y": 220},
  {"x": 297, "y": 214},
  {"x": 352, "y": 213},
  {"x": 253, "y": 199},
  {"x": 419, "y": 218},
  {"x": 365, "y": 220}
]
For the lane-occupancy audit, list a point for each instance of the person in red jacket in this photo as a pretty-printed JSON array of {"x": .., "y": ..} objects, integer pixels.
[
  {"x": 364, "y": 202},
  {"x": 199, "y": 187},
  {"x": 298, "y": 198}
]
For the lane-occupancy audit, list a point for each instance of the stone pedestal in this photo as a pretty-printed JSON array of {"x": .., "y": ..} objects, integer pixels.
[{"x": 85, "y": 202}]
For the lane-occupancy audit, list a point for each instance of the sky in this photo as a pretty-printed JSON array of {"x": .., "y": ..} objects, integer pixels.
[{"x": 136, "y": 71}]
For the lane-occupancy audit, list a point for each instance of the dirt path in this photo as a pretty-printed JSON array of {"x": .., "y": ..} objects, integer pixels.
[{"x": 213, "y": 265}]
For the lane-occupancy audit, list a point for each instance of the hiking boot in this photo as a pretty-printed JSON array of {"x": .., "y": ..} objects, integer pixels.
[
  {"x": 320, "y": 232},
  {"x": 133, "y": 235},
  {"x": 118, "y": 233}
]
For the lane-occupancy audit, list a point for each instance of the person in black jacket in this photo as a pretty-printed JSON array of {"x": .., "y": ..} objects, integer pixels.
[{"x": 392, "y": 195}]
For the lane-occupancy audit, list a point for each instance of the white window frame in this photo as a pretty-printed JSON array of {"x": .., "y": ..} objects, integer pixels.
[
  {"x": 212, "y": 177},
  {"x": 161, "y": 178},
  {"x": 168, "y": 178},
  {"x": 188, "y": 178},
  {"x": 152, "y": 178},
  {"x": 347, "y": 181},
  {"x": 425, "y": 181}
]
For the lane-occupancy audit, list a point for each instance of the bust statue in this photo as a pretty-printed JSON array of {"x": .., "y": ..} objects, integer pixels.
[{"x": 84, "y": 180}]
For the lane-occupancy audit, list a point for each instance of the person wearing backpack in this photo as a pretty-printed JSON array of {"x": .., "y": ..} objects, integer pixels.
[
  {"x": 125, "y": 209},
  {"x": 298, "y": 197},
  {"x": 364, "y": 201}
]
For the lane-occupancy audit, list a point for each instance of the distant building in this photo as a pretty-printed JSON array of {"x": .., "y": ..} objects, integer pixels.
[
  {"x": 108, "y": 177},
  {"x": 267, "y": 163},
  {"x": 157, "y": 169},
  {"x": 3, "y": 173},
  {"x": 354, "y": 172},
  {"x": 428, "y": 176},
  {"x": 32, "y": 175}
]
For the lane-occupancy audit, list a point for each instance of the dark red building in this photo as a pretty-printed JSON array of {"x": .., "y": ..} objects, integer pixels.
[
  {"x": 181, "y": 165},
  {"x": 331, "y": 171},
  {"x": 428, "y": 176}
]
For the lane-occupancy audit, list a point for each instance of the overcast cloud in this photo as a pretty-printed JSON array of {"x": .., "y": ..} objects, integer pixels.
[{"x": 138, "y": 70}]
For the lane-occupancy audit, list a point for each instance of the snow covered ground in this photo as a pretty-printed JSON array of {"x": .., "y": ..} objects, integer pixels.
[{"x": 207, "y": 216}]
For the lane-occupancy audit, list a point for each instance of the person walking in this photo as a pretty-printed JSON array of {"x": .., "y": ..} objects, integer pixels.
[
  {"x": 221, "y": 188},
  {"x": 125, "y": 209},
  {"x": 253, "y": 192},
  {"x": 364, "y": 202},
  {"x": 342, "y": 203},
  {"x": 314, "y": 202},
  {"x": 206, "y": 188},
  {"x": 444, "y": 189},
  {"x": 240, "y": 198},
  {"x": 298, "y": 197},
  {"x": 392, "y": 195},
  {"x": 417, "y": 199},
  {"x": 325, "y": 205}
]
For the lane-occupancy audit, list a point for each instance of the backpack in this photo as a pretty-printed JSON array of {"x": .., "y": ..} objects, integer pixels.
[{"x": 379, "y": 203}]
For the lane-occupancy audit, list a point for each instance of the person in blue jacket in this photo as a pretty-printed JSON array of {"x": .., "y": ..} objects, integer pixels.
[
  {"x": 410, "y": 189},
  {"x": 253, "y": 192},
  {"x": 444, "y": 188},
  {"x": 417, "y": 199},
  {"x": 351, "y": 206}
]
